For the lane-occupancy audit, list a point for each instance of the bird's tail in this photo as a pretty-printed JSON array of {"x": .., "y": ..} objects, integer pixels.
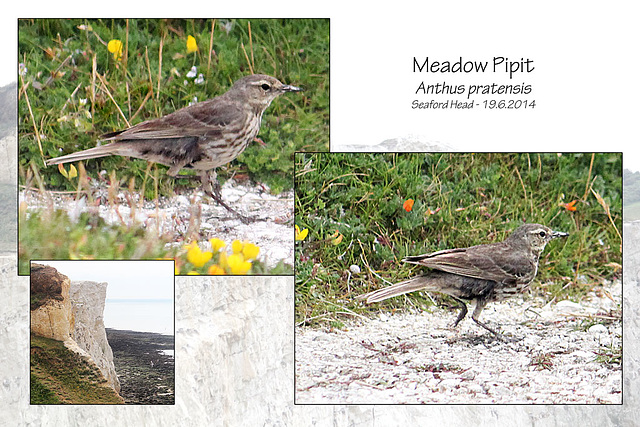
[
  {"x": 411, "y": 285},
  {"x": 91, "y": 153}
]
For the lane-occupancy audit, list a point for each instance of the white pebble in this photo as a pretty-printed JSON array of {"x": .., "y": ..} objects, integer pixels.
[
  {"x": 598, "y": 329},
  {"x": 567, "y": 306}
]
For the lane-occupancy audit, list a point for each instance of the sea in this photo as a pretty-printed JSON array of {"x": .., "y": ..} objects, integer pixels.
[{"x": 144, "y": 315}]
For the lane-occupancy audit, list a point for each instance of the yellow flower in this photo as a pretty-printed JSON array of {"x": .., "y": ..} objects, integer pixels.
[
  {"x": 216, "y": 270},
  {"x": 301, "y": 235},
  {"x": 250, "y": 251},
  {"x": 217, "y": 244},
  {"x": 237, "y": 264},
  {"x": 193, "y": 273},
  {"x": 192, "y": 46},
  {"x": 222, "y": 260},
  {"x": 73, "y": 172},
  {"x": 195, "y": 255},
  {"x": 336, "y": 238},
  {"x": 236, "y": 246},
  {"x": 62, "y": 170},
  {"x": 115, "y": 47}
]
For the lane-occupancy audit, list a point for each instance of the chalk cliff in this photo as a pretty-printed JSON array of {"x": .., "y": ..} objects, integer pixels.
[
  {"x": 72, "y": 312},
  {"x": 88, "y": 300},
  {"x": 51, "y": 314}
]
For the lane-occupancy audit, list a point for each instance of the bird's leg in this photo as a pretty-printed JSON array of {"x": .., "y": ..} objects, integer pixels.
[
  {"x": 463, "y": 311},
  {"x": 211, "y": 187},
  {"x": 480, "y": 303}
]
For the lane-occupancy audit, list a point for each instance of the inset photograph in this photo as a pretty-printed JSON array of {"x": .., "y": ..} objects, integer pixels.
[
  {"x": 458, "y": 278},
  {"x": 102, "y": 332},
  {"x": 159, "y": 138}
]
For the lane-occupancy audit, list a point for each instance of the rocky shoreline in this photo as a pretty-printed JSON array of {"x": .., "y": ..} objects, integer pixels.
[{"x": 145, "y": 371}]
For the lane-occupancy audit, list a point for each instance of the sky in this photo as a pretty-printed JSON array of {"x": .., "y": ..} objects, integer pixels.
[
  {"x": 126, "y": 279},
  {"x": 631, "y": 162}
]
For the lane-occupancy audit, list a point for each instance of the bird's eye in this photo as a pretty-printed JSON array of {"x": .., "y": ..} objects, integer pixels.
[
  {"x": 543, "y": 234},
  {"x": 265, "y": 86}
]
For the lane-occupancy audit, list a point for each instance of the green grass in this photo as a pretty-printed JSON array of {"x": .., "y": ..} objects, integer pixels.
[
  {"x": 460, "y": 200},
  {"x": 51, "y": 234},
  {"x": 71, "y": 108},
  {"x": 610, "y": 355},
  {"x": 60, "y": 376},
  {"x": 87, "y": 238},
  {"x": 37, "y": 299},
  {"x": 41, "y": 394}
]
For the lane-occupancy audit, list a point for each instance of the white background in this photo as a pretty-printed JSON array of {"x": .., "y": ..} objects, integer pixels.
[
  {"x": 234, "y": 352},
  {"x": 585, "y": 82}
]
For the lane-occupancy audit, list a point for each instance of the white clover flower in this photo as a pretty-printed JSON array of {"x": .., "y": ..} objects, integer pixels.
[
  {"x": 192, "y": 73},
  {"x": 226, "y": 25}
]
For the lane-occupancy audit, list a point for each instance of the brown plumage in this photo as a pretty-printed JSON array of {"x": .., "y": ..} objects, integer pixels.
[
  {"x": 483, "y": 273},
  {"x": 201, "y": 136}
]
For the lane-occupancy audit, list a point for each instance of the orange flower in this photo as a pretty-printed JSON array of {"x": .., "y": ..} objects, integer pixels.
[
  {"x": 216, "y": 270},
  {"x": 570, "y": 206},
  {"x": 408, "y": 205}
]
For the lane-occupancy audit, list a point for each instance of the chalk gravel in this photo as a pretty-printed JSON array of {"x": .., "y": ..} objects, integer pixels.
[
  {"x": 418, "y": 358},
  {"x": 192, "y": 213}
]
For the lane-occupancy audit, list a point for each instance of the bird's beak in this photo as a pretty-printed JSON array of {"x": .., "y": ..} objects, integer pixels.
[
  {"x": 556, "y": 234},
  {"x": 289, "y": 88}
]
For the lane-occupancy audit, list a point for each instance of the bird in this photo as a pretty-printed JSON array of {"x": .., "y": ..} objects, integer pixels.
[
  {"x": 484, "y": 273},
  {"x": 201, "y": 136}
]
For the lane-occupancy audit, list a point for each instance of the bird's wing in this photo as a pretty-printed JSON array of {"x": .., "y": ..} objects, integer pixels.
[
  {"x": 487, "y": 263},
  {"x": 204, "y": 119}
]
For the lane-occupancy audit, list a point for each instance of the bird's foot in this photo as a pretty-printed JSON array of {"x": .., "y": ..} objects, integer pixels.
[
  {"x": 211, "y": 188},
  {"x": 243, "y": 218},
  {"x": 499, "y": 335},
  {"x": 506, "y": 338}
]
